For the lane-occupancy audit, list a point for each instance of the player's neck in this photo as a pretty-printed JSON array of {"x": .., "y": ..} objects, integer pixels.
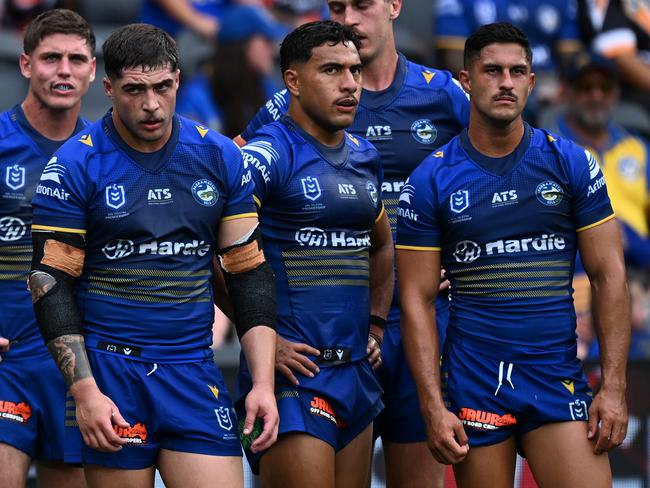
[
  {"x": 56, "y": 125},
  {"x": 379, "y": 73},
  {"x": 325, "y": 136},
  {"x": 598, "y": 138},
  {"x": 135, "y": 142},
  {"x": 492, "y": 140}
]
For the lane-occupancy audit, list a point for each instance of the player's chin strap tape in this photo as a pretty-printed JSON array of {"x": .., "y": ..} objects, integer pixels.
[
  {"x": 56, "y": 264},
  {"x": 250, "y": 283}
]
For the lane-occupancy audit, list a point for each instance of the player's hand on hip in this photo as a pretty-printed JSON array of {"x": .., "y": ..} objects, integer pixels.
[
  {"x": 96, "y": 415},
  {"x": 291, "y": 357},
  {"x": 260, "y": 404},
  {"x": 446, "y": 437},
  {"x": 375, "y": 339},
  {"x": 607, "y": 420},
  {"x": 4, "y": 345}
]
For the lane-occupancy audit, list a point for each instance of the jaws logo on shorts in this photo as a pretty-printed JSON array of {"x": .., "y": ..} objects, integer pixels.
[
  {"x": 321, "y": 407},
  {"x": 136, "y": 434},
  {"x": 16, "y": 412},
  {"x": 481, "y": 420}
]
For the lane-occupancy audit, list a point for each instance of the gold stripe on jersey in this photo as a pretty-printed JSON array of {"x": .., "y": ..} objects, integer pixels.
[
  {"x": 151, "y": 272},
  {"x": 516, "y": 293},
  {"x": 327, "y": 282},
  {"x": 512, "y": 284},
  {"x": 524, "y": 264},
  {"x": 327, "y": 267},
  {"x": 149, "y": 298},
  {"x": 58, "y": 229},
  {"x": 239, "y": 216},
  {"x": 512, "y": 274},
  {"x": 416, "y": 248},
  {"x": 595, "y": 224},
  {"x": 15, "y": 262}
]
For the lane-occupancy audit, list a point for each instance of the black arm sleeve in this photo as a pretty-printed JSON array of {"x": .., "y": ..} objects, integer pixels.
[{"x": 53, "y": 290}]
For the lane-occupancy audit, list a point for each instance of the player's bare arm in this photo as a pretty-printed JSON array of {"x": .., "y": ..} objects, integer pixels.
[
  {"x": 602, "y": 255},
  {"x": 251, "y": 287},
  {"x": 57, "y": 263},
  {"x": 381, "y": 284},
  {"x": 418, "y": 278}
]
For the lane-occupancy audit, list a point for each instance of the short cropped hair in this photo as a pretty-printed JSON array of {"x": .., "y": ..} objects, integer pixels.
[
  {"x": 498, "y": 32},
  {"x": 139, "y": 45},
  {"x": 57, "y": 21},
  {"x": 298, "y": 45}
]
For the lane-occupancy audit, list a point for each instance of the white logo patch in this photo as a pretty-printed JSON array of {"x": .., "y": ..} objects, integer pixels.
[
  {"x": 11, "y": 229},
  {"x": 53, "y": 171},
  {"x": 15, "y": 177}
]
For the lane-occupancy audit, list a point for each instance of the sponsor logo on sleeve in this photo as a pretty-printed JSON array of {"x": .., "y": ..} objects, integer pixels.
[
  {"x": 53, "y": 171},
  {"x": 594, "y": 169},
  {"x": 260, "y": 154}
]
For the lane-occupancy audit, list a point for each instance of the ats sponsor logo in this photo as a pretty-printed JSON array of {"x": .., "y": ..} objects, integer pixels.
[
  {"x": 321, "y": 407},
  {"x": 16, "y": 412},
  {"x": 481, "y": 420},
  {"x": 121, "y": 248},
  {"x": 347, "y": 191},
  {"x": 159, "y": 196},
  {"x": 135, "y": 434},
  {"x": 315, "y": 237},
  {"x": 379, "y": 133},
  {"x": 470, "y": 251},
  {"x": 11, "y": 229},
  {"x": 504, "y": 198}
]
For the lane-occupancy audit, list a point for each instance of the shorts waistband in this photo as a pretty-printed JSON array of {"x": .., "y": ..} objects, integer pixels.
[
  {"x": 508, "y": 352},
  {"x": 334, "y": 355},
  {"x": 157, "y": 354}
]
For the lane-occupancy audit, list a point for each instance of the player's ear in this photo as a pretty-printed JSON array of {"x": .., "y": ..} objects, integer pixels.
[
  {"x": 25, "y": 64},
  {"x": 395, "y": 8},
  {"x": 292, "y": 82},
  {"x": 463, "y": 77},
  {"x": 532, "y": 83},
  {"x": 108, "y": 88}
]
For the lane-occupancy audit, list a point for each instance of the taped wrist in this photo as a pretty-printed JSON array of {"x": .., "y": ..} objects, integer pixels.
[
  {"x": 57, "y": 261},
  {"x": 250, "y": 283}
]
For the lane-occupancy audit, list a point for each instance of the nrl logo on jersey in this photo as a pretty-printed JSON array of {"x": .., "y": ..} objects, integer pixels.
[
  {"x": 459, "y": 201},
  {"x": 311, "y": 188},
  {"x": 115, "y": 196},
  {"x": 15, "y": 177}
]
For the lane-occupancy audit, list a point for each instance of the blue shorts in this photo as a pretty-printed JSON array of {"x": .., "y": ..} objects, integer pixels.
[
  {"x": 497, "y": 398},
  {"x": 334, "y": 406},
  {"x": 180, "y": 407},
  {"x": 32, "y": 395},
  {"x": 401, "y": 421}
]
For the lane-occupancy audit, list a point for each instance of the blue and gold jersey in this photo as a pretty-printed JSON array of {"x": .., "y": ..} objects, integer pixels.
[
  {"x": 507, "y": 232},
  {"x": 421, "y": 110},
  {"x": 23, "y": 154},
  {"x": 317, "y": 208},
  {"x": 151, "y": 223}
]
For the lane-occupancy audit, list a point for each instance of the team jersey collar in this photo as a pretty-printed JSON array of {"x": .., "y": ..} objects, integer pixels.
[
  {"x": 336, "y": 156},
  {"x": 151, "y": 162},
  {"x": 497, "y": 166},
  {"x": 376, "y": 99},
  {"x": 47, "y": 146}
]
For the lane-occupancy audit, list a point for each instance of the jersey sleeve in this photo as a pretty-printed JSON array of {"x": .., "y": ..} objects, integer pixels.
[
  {"x": 459, "y": 100},
  {"x": 417, "y": 221},
  {"x": 591, "y": 205},
  {"x": 61, "y": 196},
  {"x": 263, "y": 155},
  {"x": 274, "y": 108},
  {"x": 380, "y": 181},
  {"x": 452, "y": 26},
  {"x": 239, "y": 201}
]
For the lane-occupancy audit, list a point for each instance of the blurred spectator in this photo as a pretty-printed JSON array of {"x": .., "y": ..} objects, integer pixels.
[
  {"x": 592, "y": 95},
  {"x": 551, "y": 27},
  {"x": 228, "y": 91},
  {"x": 297, "y": 12},
  {"x": 620, "y": 30},
  {"x": 202, "y": 17},
  {"x": 16, "y": 14}
]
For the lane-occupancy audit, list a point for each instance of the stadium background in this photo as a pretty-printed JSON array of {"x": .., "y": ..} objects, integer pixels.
[{"x": 630, "y": 463}]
